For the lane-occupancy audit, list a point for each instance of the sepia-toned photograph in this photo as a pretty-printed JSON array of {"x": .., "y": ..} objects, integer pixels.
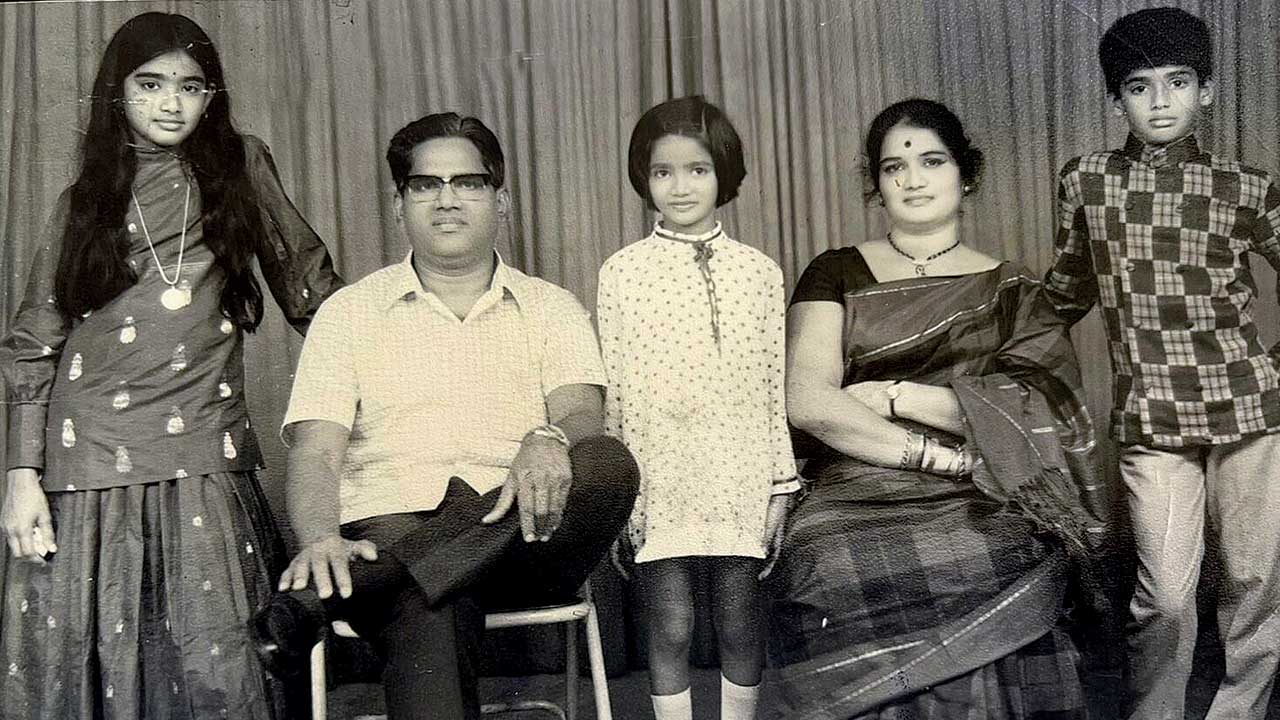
[{"x": 640, "y": 359}]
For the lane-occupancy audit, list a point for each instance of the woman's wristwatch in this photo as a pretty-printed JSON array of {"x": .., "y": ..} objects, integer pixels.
[{"x": 893, "y": 392}]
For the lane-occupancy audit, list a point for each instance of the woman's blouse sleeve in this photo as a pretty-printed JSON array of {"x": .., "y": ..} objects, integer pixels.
[
  {"x": 31, "y": 349},
  {"x": 823, "y": 280},
  {"x": 295, "y": 262}
]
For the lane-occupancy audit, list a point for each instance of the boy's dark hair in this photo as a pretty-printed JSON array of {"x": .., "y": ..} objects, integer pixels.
[
  {"x": 1151, "y": 38},
  {"x": 926, "y": 115},
  {"x": 444, "y": 125},
  {"x": 93, "y": 267},
  {"x": 691, "y": 117}
]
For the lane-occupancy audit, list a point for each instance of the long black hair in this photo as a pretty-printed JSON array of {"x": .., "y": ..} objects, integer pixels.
[{"x": 93, "y": 267}]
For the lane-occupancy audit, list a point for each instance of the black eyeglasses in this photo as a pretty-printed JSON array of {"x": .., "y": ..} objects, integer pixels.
[{"x": 467, "y": 186}]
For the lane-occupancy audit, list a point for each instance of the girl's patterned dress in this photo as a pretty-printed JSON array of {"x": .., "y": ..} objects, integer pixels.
[
  {"x": 136, "y": 414},
  {"x": 692, "y": 334}
]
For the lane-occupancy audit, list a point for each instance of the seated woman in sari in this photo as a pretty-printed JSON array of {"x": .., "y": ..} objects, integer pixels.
[{"x": 924, "y": 571}]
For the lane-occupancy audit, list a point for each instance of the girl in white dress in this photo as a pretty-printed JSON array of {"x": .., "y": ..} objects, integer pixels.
[{"x": 691, "y": 327}]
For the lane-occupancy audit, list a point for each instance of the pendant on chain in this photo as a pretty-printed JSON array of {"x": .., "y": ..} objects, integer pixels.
[{"x": 175, "y": 299}]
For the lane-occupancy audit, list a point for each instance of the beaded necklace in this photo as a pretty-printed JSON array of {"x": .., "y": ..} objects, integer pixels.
[{"x": 921, "y": 264}]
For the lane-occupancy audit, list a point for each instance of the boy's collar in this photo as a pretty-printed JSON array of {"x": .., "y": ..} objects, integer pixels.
[{"x": 1178, "y": 151}]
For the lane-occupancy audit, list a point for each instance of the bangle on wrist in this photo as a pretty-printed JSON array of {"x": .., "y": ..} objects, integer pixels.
[
  {"x": 913, "y": 451},
  {"x": 938, "y": 459},
  {"x": 551, "y": 431}
]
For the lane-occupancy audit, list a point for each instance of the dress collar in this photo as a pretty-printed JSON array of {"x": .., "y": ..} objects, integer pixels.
[
  {"x": 150, "y": 154},
  {"x": 1174, "y": 153},
  {"x": 707, "y": 236}
]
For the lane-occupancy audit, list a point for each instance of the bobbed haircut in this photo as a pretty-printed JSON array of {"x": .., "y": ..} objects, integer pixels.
[
  {"x": 691, "y": 117},
  {"x": 926, "y": 115},
  {"x": 1154, "y": 37},
  {"x": 445, "y": 125}
]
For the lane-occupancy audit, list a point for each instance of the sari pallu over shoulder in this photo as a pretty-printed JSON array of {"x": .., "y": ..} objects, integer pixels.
[
  {"x": 1015, "y": 374},
  {"x": 1023, "y": 404}
]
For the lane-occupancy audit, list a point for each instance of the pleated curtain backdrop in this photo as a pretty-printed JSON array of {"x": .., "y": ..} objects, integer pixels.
[{"x": 562, "y": 82}]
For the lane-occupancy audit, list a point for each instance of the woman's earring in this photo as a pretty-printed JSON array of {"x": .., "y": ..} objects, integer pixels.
[{"x": 967, "y": 189}]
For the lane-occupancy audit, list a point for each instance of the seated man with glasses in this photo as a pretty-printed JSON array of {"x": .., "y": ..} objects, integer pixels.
[{"x": 445, "y": 431}]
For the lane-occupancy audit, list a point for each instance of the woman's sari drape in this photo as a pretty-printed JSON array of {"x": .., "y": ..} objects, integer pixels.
[{"x": 898, "y": 589}]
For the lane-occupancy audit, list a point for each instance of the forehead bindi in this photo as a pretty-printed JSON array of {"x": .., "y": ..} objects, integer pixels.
[
  {"x": 905, "y": 141},
  {"x": 171, "y": 65}
]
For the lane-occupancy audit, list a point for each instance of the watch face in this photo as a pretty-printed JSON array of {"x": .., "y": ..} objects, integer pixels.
[{"x": 892, "y": 391}]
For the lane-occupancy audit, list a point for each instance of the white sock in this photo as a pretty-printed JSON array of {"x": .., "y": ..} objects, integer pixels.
[
  {"x": 673, "y": 707},
  {"x": 738, "y": 702}
]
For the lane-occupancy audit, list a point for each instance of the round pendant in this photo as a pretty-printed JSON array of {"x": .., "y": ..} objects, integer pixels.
[
  {"x": 920, "y": 270},
  {"x": 175, "y": 299}
]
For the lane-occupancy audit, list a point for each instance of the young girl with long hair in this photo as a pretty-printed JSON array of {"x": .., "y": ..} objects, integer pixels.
[{"x": 143, "y": 539}]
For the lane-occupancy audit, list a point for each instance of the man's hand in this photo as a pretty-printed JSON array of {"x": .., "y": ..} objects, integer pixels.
[
  {"x": 775, "y": 524},
  {"x": 324, "y": 562},
  {"x": 539, "y": 481},
  {"x": 25, "y": 517}
]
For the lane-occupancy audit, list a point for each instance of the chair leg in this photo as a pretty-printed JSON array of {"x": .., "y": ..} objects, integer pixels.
[
  {"x": 595, "y": 654},
  {"x": 571, "y": 670},
  {"x": 318, "y": 683}
]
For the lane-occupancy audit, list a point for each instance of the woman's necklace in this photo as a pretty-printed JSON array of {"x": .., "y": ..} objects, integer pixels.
[
  {"x": 173, "y": 298},
  {"x": 921, "y": 264}
]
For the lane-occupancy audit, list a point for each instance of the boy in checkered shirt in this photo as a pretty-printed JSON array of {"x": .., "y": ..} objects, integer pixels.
[{"x": 1158, "y": 233}]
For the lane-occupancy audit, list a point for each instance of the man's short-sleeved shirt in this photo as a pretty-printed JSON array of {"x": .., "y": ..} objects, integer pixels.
[{"x": 428, "y": 396}]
